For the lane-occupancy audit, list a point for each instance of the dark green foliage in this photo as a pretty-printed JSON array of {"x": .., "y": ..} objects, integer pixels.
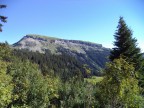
[
  {"x": 5, "y": 52},
  {"x": 77, "y": 94},
  {"x": 2, "y": 18},
  {"x": 95, "y": 60},
  {"x": 61, "y": 65},
  {"x": 126, "y": 46}
]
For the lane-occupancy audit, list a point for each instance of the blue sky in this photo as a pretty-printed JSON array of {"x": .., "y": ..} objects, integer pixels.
[{"x": 88, "y": 20}]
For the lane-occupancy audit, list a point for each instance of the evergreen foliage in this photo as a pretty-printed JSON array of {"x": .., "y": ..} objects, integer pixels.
[
  {"x": 63, "y": 65},
  {"x": 77, "y": 94},
  {"x": 2, "y": 18},
  {"x": 125, "y": 45}
]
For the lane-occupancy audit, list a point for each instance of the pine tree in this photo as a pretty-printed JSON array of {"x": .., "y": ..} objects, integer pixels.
[
  {"x": 126, "y": 46},
  {"x": 2, "y": 18}
]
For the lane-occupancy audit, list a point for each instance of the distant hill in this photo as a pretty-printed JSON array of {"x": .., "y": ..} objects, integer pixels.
[{"x": 91, "y": 54}]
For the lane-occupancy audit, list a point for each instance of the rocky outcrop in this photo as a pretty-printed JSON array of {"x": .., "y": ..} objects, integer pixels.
[{"x": 92, "y": 54}]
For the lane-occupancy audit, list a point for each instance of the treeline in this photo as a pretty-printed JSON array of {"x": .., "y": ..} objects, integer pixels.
[
  {"x": 62, "y": 65},
  {"x": 65, "y": 64},
  {"x": 95, "y": 60}
]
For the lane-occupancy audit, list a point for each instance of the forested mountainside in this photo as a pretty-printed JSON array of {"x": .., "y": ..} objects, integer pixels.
[
  {"x": 62, "y": 65},
  {"x": 87, "y": 54}
]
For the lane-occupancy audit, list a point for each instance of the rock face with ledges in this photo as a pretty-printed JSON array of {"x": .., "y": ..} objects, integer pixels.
[{"x": 92, "y": 54}]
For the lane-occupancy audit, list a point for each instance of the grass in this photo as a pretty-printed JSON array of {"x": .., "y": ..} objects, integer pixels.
[
  {"x": 42, "y": 36},
  {"x": 94, "y": 79}
]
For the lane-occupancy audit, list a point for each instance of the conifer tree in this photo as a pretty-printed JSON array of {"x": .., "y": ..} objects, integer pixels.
[
  {"x": 2, "y": 18},
  {"x": 126, "y": 46}
]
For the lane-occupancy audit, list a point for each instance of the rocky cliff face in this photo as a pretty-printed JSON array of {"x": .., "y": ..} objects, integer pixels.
[
  {"x": 92, "y": 54},
  {"x": 41, "y": 43}
]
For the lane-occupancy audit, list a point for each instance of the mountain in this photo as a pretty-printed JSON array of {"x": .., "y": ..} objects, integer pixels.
[{"x": 92, "y": 55}]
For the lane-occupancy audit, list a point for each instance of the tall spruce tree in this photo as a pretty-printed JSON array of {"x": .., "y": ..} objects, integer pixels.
[
  {"x": 2, "y": 18},
  {"x": 126, "y": 46}
]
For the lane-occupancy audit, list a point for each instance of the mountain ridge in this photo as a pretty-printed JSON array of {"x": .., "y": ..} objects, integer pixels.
[
  {"x": 58, "y": 41},
  {"x": 45, "y": 38},
  {"x": 92, "y": 54}
]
